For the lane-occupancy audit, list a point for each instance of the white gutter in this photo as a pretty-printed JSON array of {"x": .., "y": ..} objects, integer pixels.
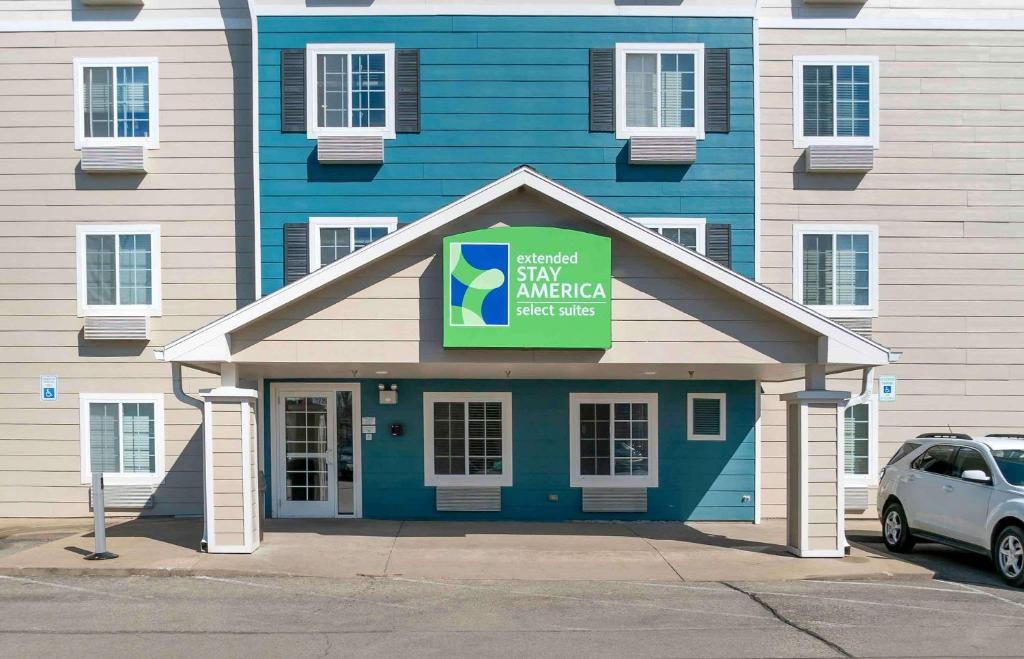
[{"x": 257, "y": 250}]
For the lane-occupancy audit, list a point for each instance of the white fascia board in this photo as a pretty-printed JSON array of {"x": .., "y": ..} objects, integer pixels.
[
  {"x": 690, "y": 8},
  {"x": 66, "y": 24},
  {"x": 869, "y": 353},
  {"x": 955, "y": 23}
]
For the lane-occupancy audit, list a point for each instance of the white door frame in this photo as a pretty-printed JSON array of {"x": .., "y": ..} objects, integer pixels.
[{"x": 277, "y": 392}]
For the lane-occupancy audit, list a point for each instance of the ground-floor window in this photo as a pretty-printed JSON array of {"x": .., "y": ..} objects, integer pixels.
[
  {"x": 613, "y": 440},
  {"x": 122, "y": 436},
  {"x": 860, "y": 441},
  {"x": 705, "y": 417},
  {"x": 467, "y": 438}
]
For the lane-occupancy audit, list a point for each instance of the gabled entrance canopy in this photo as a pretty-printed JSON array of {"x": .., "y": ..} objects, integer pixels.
[{"x": 675, "y": 312}]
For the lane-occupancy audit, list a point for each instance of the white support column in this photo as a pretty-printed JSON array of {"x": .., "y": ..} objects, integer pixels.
[
  {"x": 231, "y": 471},
  {"x": 814, "y": 466}
]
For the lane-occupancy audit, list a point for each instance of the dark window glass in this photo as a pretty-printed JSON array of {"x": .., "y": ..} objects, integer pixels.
[
  {"x": 967, "y": 459},
  {"x": 1011, "y": 465},
  {"x": 904, "y": 451},
  {"x": 936, "y": 460}
]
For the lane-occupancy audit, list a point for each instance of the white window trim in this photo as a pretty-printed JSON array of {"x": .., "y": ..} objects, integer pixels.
[
  {"x": 151, "y": 142},
  {"x": 698, "y": 223},
  {"x": 869, "y": 310},
  {"x": 869, "y": 479},
  {"x": 624, "y": 132},
  {"x": 431, "y": 479},
  {"x": 694, "y": 437},
  {"x": 317, "y": 223},
  {"x": 84, "y": 400},
  {"x": 578, "y": 480},
  {"x": 802, "y": 142},
  {"x": 313, "y": 131},
  {"x": 86, "y": 309}
]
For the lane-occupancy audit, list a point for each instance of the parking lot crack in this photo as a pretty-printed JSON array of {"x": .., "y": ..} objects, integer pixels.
[{"x": 786, "y": 621}]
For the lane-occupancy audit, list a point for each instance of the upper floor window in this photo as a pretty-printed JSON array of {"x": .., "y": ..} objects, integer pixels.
[
  {"x": 659, "y": 90},
  {"x": 350, "y": 89},
  {"x": 116, "y": 102},
  {"x": 331, "y": 238},
  {"x": 122, "y": 436},
  {"x": 614, "y": 440},
  {"x": 835, "y": 269},
  {"x": 118, "y": 270},
  {"x": 688, "y": 232},
  {"x": 835, "y": 100}
]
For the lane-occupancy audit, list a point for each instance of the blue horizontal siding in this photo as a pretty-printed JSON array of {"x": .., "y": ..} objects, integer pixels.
[
  {"x": 697, "y": 480},
  {"x": 498, "y": 92}
]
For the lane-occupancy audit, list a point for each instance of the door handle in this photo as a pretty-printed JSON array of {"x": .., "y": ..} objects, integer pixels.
[{"x": 947, "y": 488}]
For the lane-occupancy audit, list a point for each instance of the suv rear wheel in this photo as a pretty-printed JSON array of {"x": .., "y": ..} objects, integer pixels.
[
  {"x": 1009, "y": 555},
  {"x": 896, "y": 530}
]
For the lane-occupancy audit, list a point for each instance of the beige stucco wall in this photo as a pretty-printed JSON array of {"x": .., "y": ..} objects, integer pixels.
[
  {"x": 947, "y": 193},
  {"x": 389, "y": 312},
  {"x": 198, "y": 191}
]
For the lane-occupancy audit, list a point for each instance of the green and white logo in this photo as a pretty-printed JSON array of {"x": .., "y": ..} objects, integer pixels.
[{"x": 527, "y": 287}]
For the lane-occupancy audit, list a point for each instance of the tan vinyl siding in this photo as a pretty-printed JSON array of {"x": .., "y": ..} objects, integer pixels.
[
  {"x": 895, "y": 9},
  {"x": 388, "y": 311},
  {"x": 947, "y": 194},
  {"x": 65, "y": 11},
  {"x": 198, "y": 190}
]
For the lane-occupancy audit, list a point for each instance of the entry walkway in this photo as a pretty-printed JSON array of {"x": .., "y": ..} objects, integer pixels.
[{"x": 344, "y": 549}]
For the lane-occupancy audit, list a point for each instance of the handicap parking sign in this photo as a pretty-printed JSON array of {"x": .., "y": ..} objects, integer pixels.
[
  {"x": 887, "y": 388},
  {"x": 47, "y": 388}
]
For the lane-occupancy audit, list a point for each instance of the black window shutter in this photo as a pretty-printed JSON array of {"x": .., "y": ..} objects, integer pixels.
[
  {"x": 718, "y": 244},
  {"x": 407, "y": 90},
  {"x": 707, "y": 417},
  {"x": 602, "y": 90},
  {"x": 716, "y": 90},
  {"x": 293, "y": 90},
  {"x": 296, "y": 252}
]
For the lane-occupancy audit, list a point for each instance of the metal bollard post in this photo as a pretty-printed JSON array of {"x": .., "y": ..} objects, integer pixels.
[{"x": 99, "y": 519}]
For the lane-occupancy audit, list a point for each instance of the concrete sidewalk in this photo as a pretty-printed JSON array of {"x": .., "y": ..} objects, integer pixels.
[{"x": 342, "y": 549}]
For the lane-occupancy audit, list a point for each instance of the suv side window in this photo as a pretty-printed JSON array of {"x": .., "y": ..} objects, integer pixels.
[
  {"x": 936, "y": 460},
  {"x": 905, "y": 450},
  {"x": 968, "y": 459}
]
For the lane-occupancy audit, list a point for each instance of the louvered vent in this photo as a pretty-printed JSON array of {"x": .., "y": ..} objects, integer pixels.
[
  {"x": 129, "y": 159},
  {"x": 469, "y": 499},
  {"x": 861, "y": 326},
  {"x": 127, "y": 496},
  {"x": 615, "y": 499},
  {"x": 856, "y": 499},
  {"x": 840, "y": 158},
  {"x": 113, "y": 3},
  {"x": 658, "y": 150},
  {"x": 116, "y": 328},
  {"x": 707, "y": 417},
  {"x": 350, "y": 149}
]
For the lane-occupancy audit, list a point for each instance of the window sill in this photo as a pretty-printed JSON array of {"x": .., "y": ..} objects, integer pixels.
[
  {"x": 630, "y": 133},
  {"x": 706, "y": 438},
  {"x": 431, "y": 480},
  {"x": 605, "y": 482},
  {"x": 114, "y": 480},
  {"x": 839, "y": 312}
]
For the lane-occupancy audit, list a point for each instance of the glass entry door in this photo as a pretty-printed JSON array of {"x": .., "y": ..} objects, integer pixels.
[{"x": 316, "y": 458}]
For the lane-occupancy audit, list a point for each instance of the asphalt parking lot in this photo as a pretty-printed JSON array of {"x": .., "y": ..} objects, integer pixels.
[{"x": 396, "y": 616}]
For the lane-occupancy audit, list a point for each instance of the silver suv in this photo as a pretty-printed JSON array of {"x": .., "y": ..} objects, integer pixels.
[{"x": 960, "y": 491}]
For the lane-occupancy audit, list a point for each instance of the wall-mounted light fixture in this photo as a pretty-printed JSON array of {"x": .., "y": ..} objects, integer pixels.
[{"x": 388, "y": 395}]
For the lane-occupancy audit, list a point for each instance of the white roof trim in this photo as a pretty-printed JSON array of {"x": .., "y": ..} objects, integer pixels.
[{"x": 867, "y": 351}]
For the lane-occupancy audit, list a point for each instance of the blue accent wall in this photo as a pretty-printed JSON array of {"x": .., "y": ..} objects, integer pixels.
[
  {"x": 697, "y": 480},
  {"x": 498, "y": 92}
]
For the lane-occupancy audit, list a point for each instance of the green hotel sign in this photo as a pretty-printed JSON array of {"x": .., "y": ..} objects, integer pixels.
[{"x": 527, "y": 287}]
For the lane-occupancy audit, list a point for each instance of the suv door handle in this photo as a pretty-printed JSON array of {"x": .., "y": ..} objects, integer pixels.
[{"x": 947, "y": 488}]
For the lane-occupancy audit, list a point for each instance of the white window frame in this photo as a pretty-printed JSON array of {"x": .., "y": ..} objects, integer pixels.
[
  {"x": 698, "y": 223},
  {"x": 81, "y": 63},
  {"x": 432, "y": 479},
  {"x": 869, "y": 479},
  {"x": 722, "y": 407},
  {"x": 86, "y": 309},
  {"x": 317, "y": 223},
  {"x": 85, "y": 399},
  {"x": 622, "y": 131},
  {"x": 799, "y": 140},
  {"x": 314, "y": 131},
  {"x": 578, "y": 480},
  {"x": 869, "y": 310}
]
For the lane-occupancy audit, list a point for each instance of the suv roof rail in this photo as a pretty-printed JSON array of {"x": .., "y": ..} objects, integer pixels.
[
  {"x": 1006, "y": 435},
  {"x": 944, "y": 435}
]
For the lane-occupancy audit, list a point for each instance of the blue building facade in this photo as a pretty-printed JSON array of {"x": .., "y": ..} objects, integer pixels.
[{"x": 496, "y": 93}]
